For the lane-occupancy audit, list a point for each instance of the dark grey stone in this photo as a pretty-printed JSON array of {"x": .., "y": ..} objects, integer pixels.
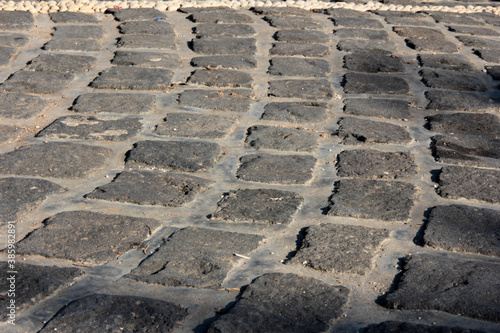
[
  {"x": 195, "y": 257},
  {"x": 160, "y": 27},
  {"x": 464, "y": 229},
  {"x": 288, "y": 66},
  {"x": 344, "y": 12},
  {"x": 455, "y": 18},
  {"x": 195, "y": 125},
  {"x": 8, "y": 133},
  {"x": 361, "y": 34},
  {"x": 221, "y": 78},
  {"x": 358, "y": 22},
  {"x": 133, "y": 78},
  {"x": 114, "y": 103},
  {"x": 394, "y": 14},
  {"x": 480, "y": 43},
  {"x": 20, "y": 106},
  {"x": 290, "y": 12},
  {"x": 146, "y": 59},
  {"x": 373, "y": 63},
  {"x": 72, "y": 17},
  {"x": 410, "y": 21},
  {"x": 373, "y": 164},
  {"x": 432, "y": 45},
  {"x": 357, "y": 131},
  {"x": 460, "y": 100},
  {"x": 464, "y": 287},
  {"x": 18, "y": 196},
  {"x": 484, "y": 124},
  {"x": 306, "y": 89},
  {"x": 360, "y": 83},
  {"x": 475, "y": 31},
  {"x": 187, "y": 156},
  {"x": 137, "y": 14},
  {"x": 298, "y": 49},
  {"x": 37, "y": 82},
  {"x": 396, "y": 326},
  {"x": 373, "y": 199},
  {"x": 276, "y": 169},
  {"x": 339, "y": 248},
  {"x": 92, "y": 128},
  {"x": 237, "y": 100},
  {"x": 280, "y": 138},
  {"x": 214, "y": 30},
  {"x": 113, "y": 313},
  {"x": 489, "y": 55},
  {"x": 6, "y": 53},
  {"x": 35, "y": 283},
  {"x": 419, "y": 33},
  {"x": 279, "y": 303},
  {"x": 73, "y": 44},
  {"x": 258, "y": 206},
  {"x": 62, "y": 63},
  {"x": 383, "y": 108},
  {"x": 494, "y": 72},
  {"x": 13, "y": 40},
  {"x": 443, "y": 79},
  {"x": 220, "y": 16},
  {"x": 295, "y": 112},
  {"x": 147, "y": 42},
  {"x": 78, "y": 31},
  {"x": 457, "y": 182},
  {"x": 241, "y": 46},
  {"x": 364, "y": 45},
  {"x": 225, "y": 61},
  {"x": 456, "y": 62},
  {"x": 298, "y": 22},
  {"x": 87, "y": 236},
  {"x": 151, "y": 188},
  {"x": 16, "y": 20},
  {"x": 488, "y": 18},
  {"x": 54, "y": 159},
  {"x": 302, "y": 36}
]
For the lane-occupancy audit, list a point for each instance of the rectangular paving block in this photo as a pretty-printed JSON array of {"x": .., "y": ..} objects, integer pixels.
[
  {"x": 195, "y": 125},
  {"x": 13, "y": 39},
  {"x": 358, "y": 131},
  {"x": 73, "y": 44},
  {"x": 21, "y": 106},
  {"x": 455, "y": 18},
  {"x": 147, "y": 42},
  {"x": 137, "y": 14},
  {"x": 444, "y": 79},
  {"x": 345, "y": 12},
  {"x": 360, "y": 83},
  {"x": 455, "y": 62},
  {"x": 72, "y": 17},
  {"x": 241, "y": 46},
  {"x": 474, "y": 31},
  {"x": 305, "y": 89},
  {"x": 62, "y": 63},
  {"x": 6, "y": 54},
  {"x": 432, "y": 45},
  {"x": 373, "y": 63},
  {"x": 288, "y": 66},
  {"x": 295, "y": 112},
  {"x": 301, "y": 36},
  {"x": 280, "y": 138},
  {"x": 225, "y": 61},
  {"x": 146, "y": 59},
  {"x": 298, "y": 22},
  {"x": 488, "y": 55},
  {"x": 460, "y": 100},
  {"x": 16, "y": 20},
  {"x": 291, "y": 12},
  {"x": 364, "y": 45},
  {"x": 220, "y": 16},
  {"x": 114, "y": 103},
  {"x": 479, "y": 42},
  {"x": 133, "y": 78},
  {"x": 37, "y": 82},
  {"x": 237, "y": 100},
  {"x": 9, "y": 133},
  {"x": 221, "y": 78},
  {"x": 493, "y": 71},
  {"x": 358, "y": 22},
  {"x": 352, "y": 33},
  {"x": 78, "y": 31},
  {"x": 381, "y": 108},
  {"x": 159, "y": 27},
  {"x": 416, "y": 22},
  {"x": 298, "y": 49},
  {"x": 419, "y": 33},
  {"x": 483, "y": 124},
  {"x": 216, "y": 30}
]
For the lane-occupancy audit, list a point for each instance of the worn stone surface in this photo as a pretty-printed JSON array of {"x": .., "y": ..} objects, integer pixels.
[
  {"x": 133, "y": 78},
  {"x": 220, "y": 16},
  {"x": 20, "y": 106},
  {"x": 8, "y": 133},
  {"x": 280, "y": 138},
  {"x": 373, "y": 199},
  {"x": 443, "y": 79},
  {"x": 469, "y": 288},
  {"x": 151, "y": 188},
  {"x": 87, "y": 236},
  {"x": 339, "y": 248},
  {"x": 62, "y": 63},
  {"x": 13, "y": 39},
  {"x": 457, "y": 182},
  {"x": 160, "y": 27},
  {"x": 237, "y": 100},
  {"x": 72, "y": 17},
  {"x": 291, "y": 12},
  {"x": 298, "y": 49},
  {"x": 344, "y": 12},
  {"x": 396, "y": 326},
  {"x": 117, "y": 313},
  {"x": 474, "y": 31},
  {"x": 114, "y": 103},
  {"x": 358, "y": 83},
  {"x": 146, "y": 59},
  {"x": 190, "y": 156},
  {"x": 301, "y": 36},
  {"x": 298, "y": 22},
  {"x": 494, "y": 72},
  {"x": 464, "y": 229},
  {"x": 455, "y": 62},
  {"x": 358, "y": 22},
  {"x": 276, "y": 169},
  {"x": 146, "y": 42},
  {"x": 240, "y": 46},
  {"x": 225, "y": 61},
  {"x": 295, "y": 112},
  {"x": 137, "y": 14},
  {"x": 382, "y": 108},
  {"x": 73, "y": 44},
  {"x": 361, "y": 34},
  {"x": 78, "y": 31},
  {"x": 410, "y": 21},
  {"x": 258, "y": 206},
  {"x": 288, "y": 66},
  {"x": 54, "y": 159},
  {"x": 221, "y": 78},
  {"x": 455, "y": 18},
  {"x": 306, "y": 89},
  {"x": 432, "y": 45},
  {"x": 489, "y": 55},
  {"x": 37, "y": 82},
  {"x": 194, "y": 125},
  {"x": 363, "y": 45},
  {"x": 460, "y": 100},
  {"x": 215, "y": 30},
  {"x": 373, "y": 63},
  {"x": 356, "y": 131},
  {"x": 16, "y": 20},
  {"x": 483, "y": 124},
  {"x": 479, "y": 42},
  {"x": 419, "y": 33},
  {"x": 6, "y": 54},
  {"x": 277, "y": 302},
  {"x": 173, "y": 264}
]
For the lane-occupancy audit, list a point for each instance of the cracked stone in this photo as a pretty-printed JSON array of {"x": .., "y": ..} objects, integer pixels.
[
  {"x": 160, "y": 27},
  {"x": 301, "y": 36},
  {"x": 226, "y": 61},
  {"x": 194, "y": 125},
  {"x": 72, "y": 17},
  {"x": 20, "y": 106},
  {"x": 298, "y": 49},
  {"x": 214, "y": 30},
  {"x": 215, "y": 46},
  {"x": 383, "y": 108},
  {"x": 37, "y": 82},
  {"x": 134, "y": 78},
  {"x": 146, "y": 42},
  {"x": 13, "y": 39},
  {"x": 443, "y": 79},
  {"x": 306, "y": 89},
  {"x": 73, "y": 44},
  {"x": 114, "y": 103},
  {"x": 460, "y": 100},
  {"x": 78, "y": 31},
  {"x": 62, "y": 63},
  {"x": 237, "y": 100},
  {"x": 146, "y": 59},
  {"x": 360, "y": 83},
  {"x": 221, "y": 78},
  {"x": 356, "y": 131},
  {"x": 373, "y": 63},
  {"x": 295, "y": 112},
  {"x": 287, "y": 66},
  {"x": 280, "y": 138},
  {"x": 16, "y": 20},
  {"x": 358, "y": 22},
  {"x": 349, "y": 33},
  {"x": 453, "y": 62}
]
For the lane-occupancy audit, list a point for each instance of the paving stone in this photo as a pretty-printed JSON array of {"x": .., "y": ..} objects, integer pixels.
[
  {"x": 383, "y": 108},
  {"x": 276, "y": 169},
  {"x": 78, "y": 31},
  {"x": 344, "y": 12},
  {"x": 35, "y": 283},
  {"x": 358, "y": 22},
  {"x": 358, "y": 83},
  {"x": 373, "y": 164},
  {"x": 54, "y": 159},
  {"x": 493, "y": 71},
  {"x": 8, "y": 133},
  {"x": 456, "y": 62},
  {"x": 6, "y": 53},
  {"x": 285, "y": 23},
  {"x": 301, "y": 36},
  {"x": 339, "y": 248},
  {"x": 455, "y": 18},
  {"x": 373, "y": 63},
  {"x": 220, "y": 16},
  {"x": 343, "y": 33},
  {"x": 72, "y": 17},
  {"x": 87, "y": 236},
  {"x": 277, "y": 302},
  {"x": 479, "y": 42},
  {"x": 373, "y": 199},
  {"x": 13, "y": 39},
  {"x": 282, "y": 11},
  {"x": 241, "y": 46},
  {"x": 258, "y": 206},
  {"x": 295, "y": 112},
  {"x": 363, "y": 45},
  {"x": 146, "y": 59},
  {"x": 195, "y": 257},
  {"x": 37, "y": 82},
  {"x": 20, "y": 106},
  {"x": 112, "y": 313},
  {"x": 73, "y": 44},
  {"x": 488, "y": 18},
  {"x": 114, "y": 103},
  {"x": 298, "y": 49},
  {"x": 443, "y": 79},
  {"x": 393, "y": 14},
  {"x": 489, "y": 55},
  {"x": 410, "y": 21},
  {"x": 221, "y": 78},
  {"x": 357, "y": 131},
  {"x": 306, "y": 89},
  {"x": 137, "y": 14},
  {"x": 280, "y": 138},
  {"x": 462, "y": 287},
  {"x": 475, "y": 31},
  {"x": 432, "y": 45},
  {"x": 16, "y": 20},
  {"x": 18, "y": 196},
  {"x": 187, "y": 156},
  {"x": 214, "y": 30},
  {"x": 160, "y": 27},
  {"x": 483, "y": 124},
  {"x": 459, "y": 100},
  {"x": 151, "y": 188},
  {"x": 133, "y": 78},
  {"x": 195, "y": 125},
  {"x": 225, "y": 61},
  {"x": 396, "y": 326},
  {"x": 62, "y": 63},
  {"x": 288, "y": 66},
  {"x": 419, "y": 33},
  {"x": 237, "y": 100},
  {"x": 463, "y": 229},
  {"x": 146, "y": 42}
]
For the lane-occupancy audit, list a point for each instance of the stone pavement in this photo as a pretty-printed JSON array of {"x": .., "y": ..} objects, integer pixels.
[{"x": 265, "y": 170}]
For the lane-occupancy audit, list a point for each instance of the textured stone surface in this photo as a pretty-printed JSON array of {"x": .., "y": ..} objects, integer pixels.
[
  {"x": 220, "y": 16},
  {"x": 290, "y": 12},
  {"x": 16, "y": 20},
  {"x": 146, "y": 59},
  {"x": 78, "y": 31},
  {"x": 137, "y": 14},
  {"x": 489, "y": 55},
  {"x": 357, "y": 83},
  {"x": 373, "y": 63},
  {"x": 339, "y": 248},
  {"x": 306, "y": 89},
  {"x": 475, "y": 31},
  {"x": 72, "y": 17},
  {"x": 237, "y": 100},
  {"x": 298, "y": 22},
  {"x": 62, "y": 63},
  {"x": 225, "y": 61},
  {"x": 276, "y": 169},
  {"x": 194, "y": 125},
  {"x": 432, "y": 45},
  {"x": 280, "y": 138},
  {"x": 455, "y": 18},
  {"x": 344, "y": 12},
  {"x": 295, "y": 112},
  {"x": 358, "y": 22},
  {"x": 460, "y": 100},
  {"x": 87, "y": 236},
  {"x": 356, "y": 131},
  {"x": 410, "y": 21},
  {"x": 9, "y": 133},
  {"x": 480, "y": 42},
  {"x": 361, "y": 34},
  {"x": 287, "y": 66},
  {"x": 122, "y": 77},
  {"x": 37, "y": 82},
  {"x": 443, "y": 79},
  {"x": 54, "y": 159},
  {"x": 298, "y": 49},
  {"x": 173, "y": 264},
  {"x": 6, "y": 54},
  {"x": 363, "y": 45},
  {"x": 221, "y": 78},
  {"x": 241, "y": 46},
  {"x": 151, "y": 188},
  {"x": 483, "y": 124},
  {"x": 114, "y": 103},
  {"x": 494, "y": 72},
  {"x": 13, "y": 39},
  {"x": 301, "y": 36},
  {"x": 382, "y": 108},
  {"x": 146, "y": 42},
  {"x": 20, "y": 106},
  {"x": 419, "y": 33},
  {"x": 464, "y": 229},
  {"x": 373, "y": 199},
  {"x": 160, "y": 27},
  {"x": 215, "y": 30},
  {"x": 396, "y": 326},
  {"x": 73, "y": 44},
  {"x": 279, "y": 302},
  {"x": 456, "y": 62}
]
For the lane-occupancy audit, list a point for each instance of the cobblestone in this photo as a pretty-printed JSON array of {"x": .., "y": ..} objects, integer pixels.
[
  {"x": 114, "y": 103},
  {"x": 357, "y": 131},
  {"x": 146, "y": 42},
  {"x": 362, "y": 45},
  {"x": 146, "y": 59},
  {"x": 489, "y": 55},
  {"x": 454, "y": 62},
  {"x": 133, "y": 78},
  {"x": 225, "y": 61},
  {"x": 373, "y": 63},
  {"x": 147, "y": 28},
  {"x": 240, "y": 46},
  {"x": 78, "y": 31},
  {"x": 432, "y": 45},
  {"x": 361, "y": 34},
  {"x": 295, "y": 112},
  {"x": 298, "y": 49},
  {"x": 395, "y": 326},
  {"x": 459, "y": 100},
  {"x": 72, "y": 17},
  {"x": 301, "y": 36},
  {"x": 221, "y": 78},
  {"x": 382, "y": 108},
  {"x": 280, "y": 138},
  {"x": 237, "y": 100},
  {"x": 358, "y": 22},
  {"x": 288, "y": 66},
  {"x": 441, "y": 79},
  {"x": 6, "y": 54},
  {"x": 20, "y": 106},
  {"x": 37, "y": 82},
  {"x": 357, "y": 83},
  {"x": 137, "y": 14},
  {"x": 13, "y": 39},
  {"x": 73, "y": 44},
  {"x": 16, "y": 20},
  {"x": 480, "y": 43},
  {"x": 193, "y": 125},
  {"x": 62, "y": 63},
  {"x": 474, "y": 31},
  {"x": 484, "y": 124},
  {"x": 220, "y": 16},
  {"x": 284, "y": 23},
  {"x": 494, "y": 72},
  {"x": 306, "y": 89},
  {"x": 214, "y": 30}
]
